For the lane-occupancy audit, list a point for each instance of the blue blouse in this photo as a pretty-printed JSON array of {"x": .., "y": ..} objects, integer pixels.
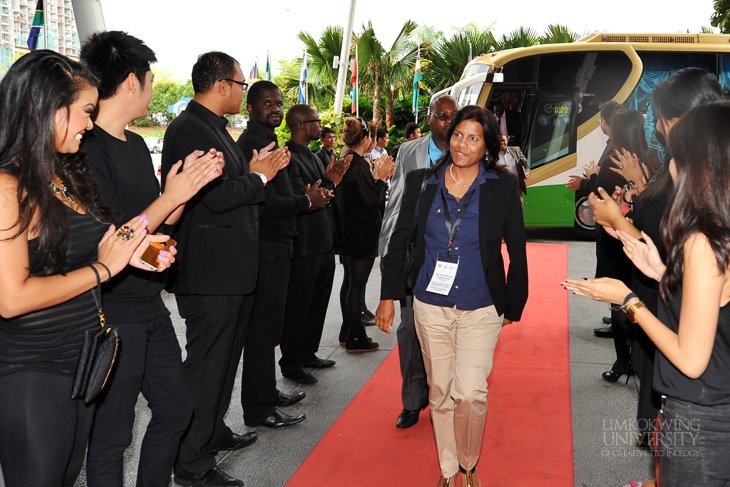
[{"x": 470, "y": 290}]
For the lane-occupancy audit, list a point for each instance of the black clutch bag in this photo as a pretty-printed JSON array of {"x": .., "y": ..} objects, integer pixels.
[
  {"x": 410, "y": 258},
  {"x": 98, "y": 354}
]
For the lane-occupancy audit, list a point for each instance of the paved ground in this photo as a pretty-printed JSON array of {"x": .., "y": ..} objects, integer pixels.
[{"x": 604, "y": 453}]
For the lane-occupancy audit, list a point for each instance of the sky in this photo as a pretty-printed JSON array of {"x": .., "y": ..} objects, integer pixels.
[{"x": 178, "y": 31}]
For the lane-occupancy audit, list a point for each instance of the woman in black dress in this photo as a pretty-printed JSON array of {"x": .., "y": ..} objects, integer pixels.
[
  {"x": 360, "y": 201},
  {"x": 55, "y": 246}
]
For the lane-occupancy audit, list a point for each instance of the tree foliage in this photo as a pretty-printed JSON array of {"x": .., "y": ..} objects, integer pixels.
[
  {"x": 446, "y": 60},
  {"x": 721, "y": 17}
]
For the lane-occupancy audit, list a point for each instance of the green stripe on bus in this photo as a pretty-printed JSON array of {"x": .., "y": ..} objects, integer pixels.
[{"x": 549, "y": 206}]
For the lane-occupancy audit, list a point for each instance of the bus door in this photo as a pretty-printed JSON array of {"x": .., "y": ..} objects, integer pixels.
[
  {"x": 517, "y": 100},
  {"x": 551, "y": 137}
]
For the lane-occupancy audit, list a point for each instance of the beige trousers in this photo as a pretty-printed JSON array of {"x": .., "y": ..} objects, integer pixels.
[{"x": 458, "y": 347}]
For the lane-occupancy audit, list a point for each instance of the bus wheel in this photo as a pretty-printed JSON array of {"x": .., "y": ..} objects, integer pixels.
[{"x": 585, "y": 225}]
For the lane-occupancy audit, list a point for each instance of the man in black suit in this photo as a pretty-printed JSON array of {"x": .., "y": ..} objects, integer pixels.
[
  {"x": 217, "y": 260},
  {"x": 277, "y": 229},
  {"x": 313, "y": 266}
]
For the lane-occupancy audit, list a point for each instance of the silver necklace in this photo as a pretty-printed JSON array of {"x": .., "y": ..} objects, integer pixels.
[{"x": 451, "y": 172}]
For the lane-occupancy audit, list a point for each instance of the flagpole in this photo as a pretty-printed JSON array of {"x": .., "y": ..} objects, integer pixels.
[{"x": 344, "y": 59}]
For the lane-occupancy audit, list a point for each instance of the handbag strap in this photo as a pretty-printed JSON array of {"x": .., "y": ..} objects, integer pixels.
[
  {"x": 418, "y": 201},
  {"x": 96, "y": 294}
]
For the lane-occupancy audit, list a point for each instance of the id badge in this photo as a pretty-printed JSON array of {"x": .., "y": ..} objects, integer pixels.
[{"x": 443, "y": 275}]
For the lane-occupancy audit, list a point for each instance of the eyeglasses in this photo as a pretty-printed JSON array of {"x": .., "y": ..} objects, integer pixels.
[
  {"x": 242, "y": 84},
  {"x": 314, "y": 120},
  {"x": 444, "y": 117}
]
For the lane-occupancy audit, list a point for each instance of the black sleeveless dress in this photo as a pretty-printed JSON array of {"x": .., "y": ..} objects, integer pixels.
[{"x": 50, "y": 339}]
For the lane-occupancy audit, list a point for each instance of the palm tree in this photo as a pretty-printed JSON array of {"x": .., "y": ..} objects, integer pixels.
[
  {"x": 721, "y": 17},
  {"x": 447, "y": 59},
  {"x": 322, "y": 77},
  {"x": 521, "y": 37},
  {"x": 556, "y": 33},
  {"x": 385, "y": 70}
]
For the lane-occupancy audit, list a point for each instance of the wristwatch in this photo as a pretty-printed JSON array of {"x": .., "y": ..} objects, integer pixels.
[{"x": 632, "y": 309}]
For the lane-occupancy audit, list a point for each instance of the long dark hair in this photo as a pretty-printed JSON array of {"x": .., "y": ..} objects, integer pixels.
[
  {"x": 35, "y": 88},
  {"x": 490, "y": 128},
  {"x": 627, "y": 132},
  {"x": 700, "y": 148}
]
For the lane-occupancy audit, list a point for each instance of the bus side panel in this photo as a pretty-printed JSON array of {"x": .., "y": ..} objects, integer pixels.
[{"x": 549, "y": 206}]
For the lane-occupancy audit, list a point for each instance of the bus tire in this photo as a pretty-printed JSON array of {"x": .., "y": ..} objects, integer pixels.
[{"x": 584, "y": 226}]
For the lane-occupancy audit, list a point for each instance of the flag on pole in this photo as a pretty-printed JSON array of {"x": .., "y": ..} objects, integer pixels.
[
  {"x": 417, "y": 77},
  {"x": 354, "y": 79},
  {"x": 254, "y": 74},
  {"x": 303, "y": 80},
  {"x": 35, "y": 29},
  {"x": 267, "y": 74}
]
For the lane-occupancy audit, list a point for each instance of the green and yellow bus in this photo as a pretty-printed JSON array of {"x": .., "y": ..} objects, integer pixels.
[{"x": 552, "y": 93}]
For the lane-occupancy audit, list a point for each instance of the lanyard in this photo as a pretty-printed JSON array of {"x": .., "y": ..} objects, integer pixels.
[{"x": 451, "y": 229}]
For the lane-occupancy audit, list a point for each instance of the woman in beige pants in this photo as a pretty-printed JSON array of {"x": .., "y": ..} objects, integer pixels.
[{"x": 457, "y": 214}]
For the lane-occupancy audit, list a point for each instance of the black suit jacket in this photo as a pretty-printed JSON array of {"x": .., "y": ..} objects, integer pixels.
[
  {"x": 315, "y": 229},
  {"x": 500, "y": 217},
  {"x": 218, "y": 232}
]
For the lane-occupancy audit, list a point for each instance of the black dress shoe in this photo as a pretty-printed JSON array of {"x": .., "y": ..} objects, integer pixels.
[
  {"x": 606, "y": 320},
  {"x": 278, "y": 419},
  {"x": 214, "y": 477},
  {"x": 367, "y": 314},
  {"x": 300, "y": 376},
  {"x": 284, "y": 400},
  {"x": 604, "y": 332},
  {"x": 407, "y": 418},
  {"x": 318, "y": 363},
  {"x": 236, "y": 442},
  {"x": 361, "y": 345}
]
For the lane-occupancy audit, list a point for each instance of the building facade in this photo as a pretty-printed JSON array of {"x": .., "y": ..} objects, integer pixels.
[{"x": 58, "y": 34}]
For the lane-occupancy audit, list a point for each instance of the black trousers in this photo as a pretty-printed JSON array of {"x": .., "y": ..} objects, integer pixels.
[
  {"x": 149, "y": 361},
  {"x": 414, "y": 390},
  {"x": 43, "y": 433},
  {"x": 310, "y": 287},
  {"x": 352, "y": 295},
  {"x": 258, "y": 383},
  {"x": 215, "y": 330}
]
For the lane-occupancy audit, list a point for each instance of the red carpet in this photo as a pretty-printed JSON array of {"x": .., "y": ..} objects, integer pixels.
[{"x": 528, "y": 439}]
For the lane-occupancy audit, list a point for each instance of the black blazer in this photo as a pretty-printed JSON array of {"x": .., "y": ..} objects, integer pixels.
[
  {"x": 500, "y": 217},
  {"x": 315, "y": 229},
  {"x": 217, "y": 234}
]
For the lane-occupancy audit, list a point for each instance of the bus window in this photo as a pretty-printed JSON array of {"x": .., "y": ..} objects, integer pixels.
[
  {"x": 551, "y": 135},
  {"x": 658, "y": 66},
  {"x": 469, "y": 95},
  {"x": 610, "y": 73},
  {"x": 475, "y": 69},
  {"x": 724, "y": 75}
]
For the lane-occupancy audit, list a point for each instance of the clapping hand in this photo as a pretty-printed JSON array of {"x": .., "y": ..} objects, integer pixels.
[
  {"x": 268, "y": 162},
  {"x": 336, "y": 169},
  {"x": 604, "y": 289},
  {"x": 318, "y": 197},
  {"x": 384, "y": 168},
  {"x": 644, "y": 255},
  {"x": 628, "y": 166}
]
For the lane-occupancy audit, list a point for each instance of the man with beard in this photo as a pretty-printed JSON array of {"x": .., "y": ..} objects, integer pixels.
[
  {"x": 277, "y": 228},
  {"x": 419, "y": 153}
]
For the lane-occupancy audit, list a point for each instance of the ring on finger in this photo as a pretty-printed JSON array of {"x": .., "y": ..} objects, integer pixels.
[{"x": 125, "y": 232}]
